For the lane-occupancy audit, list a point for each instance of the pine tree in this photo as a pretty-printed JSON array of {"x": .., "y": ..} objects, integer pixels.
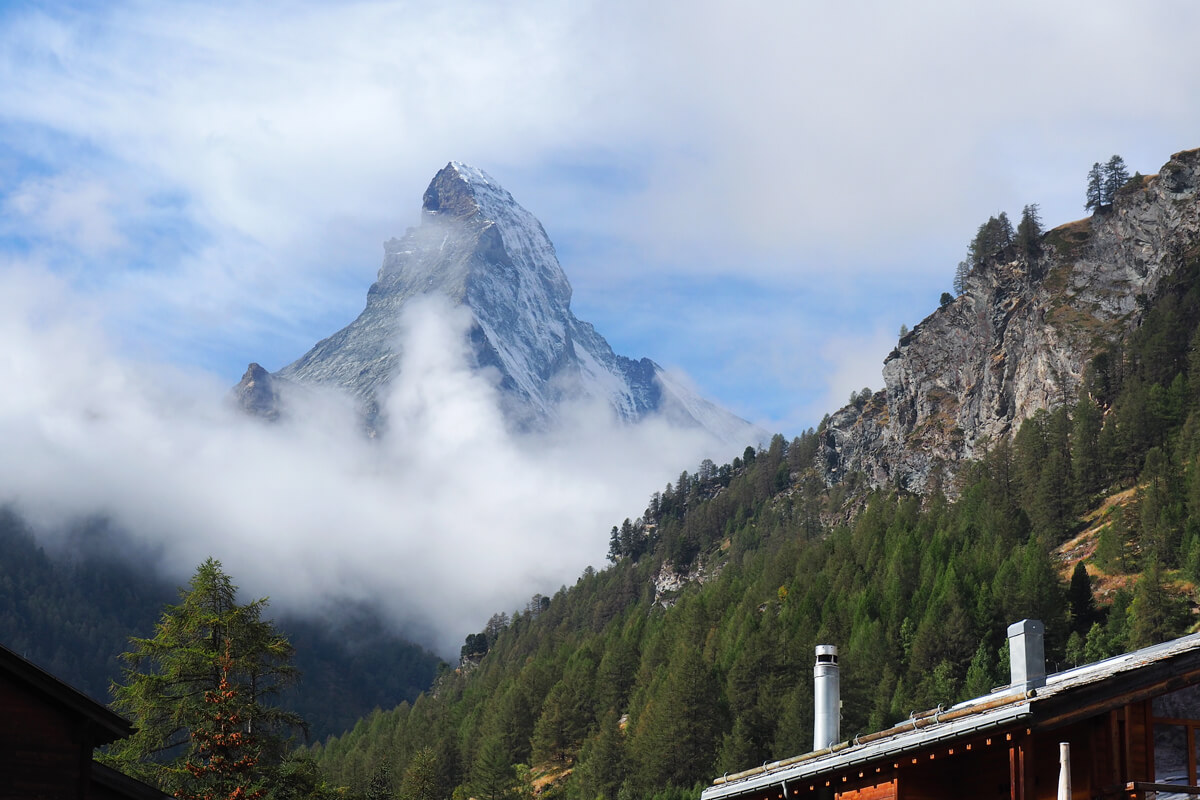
[
  {"x": 420, "y": 781},
  {"x": 960, "y": 277},
  {"x": 380, "y": 785},
  {"x": 210, "y": 661},
  {"x": 1115, "y": 176},
  {"x": 1029, "y": 231},
  {"x": 980, "y": 674},
  {"x": 493, "y": 777},
  {"x": 1003, "y": 231},
  {"x": 1086, "y": 462},
  {"x": 1154, "y": 615},
  {"x": 225, "y": 749},
  {"x": 603, "y": 764},
  {"x": 1095, "y": 187},
  {"x": 1083, "y": 604},
  {"x": 992, "y": 237},
  {"x": 677, "y": 736}
]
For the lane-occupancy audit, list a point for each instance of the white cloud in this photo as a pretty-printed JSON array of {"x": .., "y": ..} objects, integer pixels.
[
  {"x": 851, "y": 364},
  {"x": 775, "y": 140},
  {"x": 442, "y": 522},
  {"x": 224, "y": 173},
  {"x": 69, "y": 207}
]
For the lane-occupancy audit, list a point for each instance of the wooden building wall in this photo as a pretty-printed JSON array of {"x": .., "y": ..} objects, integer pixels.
[
  {"x": 45, "y": 752},
  {"x": 1107, "y": 751},
  {"x": 1110, "y": 748}
]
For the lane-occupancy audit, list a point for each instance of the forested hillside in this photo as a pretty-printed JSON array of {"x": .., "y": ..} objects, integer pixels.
[
  {"x": 72, "y": 610},
  {"x": 691, "y": 654}
]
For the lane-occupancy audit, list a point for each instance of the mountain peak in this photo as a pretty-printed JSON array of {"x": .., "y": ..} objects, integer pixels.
[
  {"x": 480, "y": 249},
  {"x": 461, "y": 191}
]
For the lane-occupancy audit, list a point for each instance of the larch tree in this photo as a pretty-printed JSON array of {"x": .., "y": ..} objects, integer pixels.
[
  {"x": 960, "y": 276},
  {"x": 1029, "y": 231},
  {"x": 493, "y": 776},
  {"x": 1115, "y": 176},
  {"x": 198, "y": 692},
  {"x": 1095, "y": 187}
]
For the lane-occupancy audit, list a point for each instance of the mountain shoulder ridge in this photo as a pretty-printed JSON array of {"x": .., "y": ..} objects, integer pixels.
[{"x": 1019, "y": 337}]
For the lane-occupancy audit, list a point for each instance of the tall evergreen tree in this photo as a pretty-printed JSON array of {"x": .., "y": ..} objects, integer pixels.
[
  {"x": 420, "y": 781},
  {"x": 960, "y": 277},
  {"x": 1029, "y": 231},
  {"x": 603, "y": 764},
  {"x": 1083, "y": 603},
  {"x": 1115, "y": 176},
  {"x": 210, "y": 662},
  {"x": 493, "y": 777},
  {"x": 677, "y": 736},
  {"x": 380, "y": 785},
  {"x": 1095, "y": 187},
  {"x": 1154, "y": 615}
]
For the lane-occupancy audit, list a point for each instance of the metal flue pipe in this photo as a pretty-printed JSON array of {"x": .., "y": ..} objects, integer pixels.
[{"x": 827, "y": 698}]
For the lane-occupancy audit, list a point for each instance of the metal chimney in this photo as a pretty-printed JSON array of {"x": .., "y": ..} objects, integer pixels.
[
  {"x": 1027, "y": 654},
  {"x": 827, "y": 698}
]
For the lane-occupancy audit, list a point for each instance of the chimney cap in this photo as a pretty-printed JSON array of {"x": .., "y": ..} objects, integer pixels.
[{"x": 1026, "y": 626}]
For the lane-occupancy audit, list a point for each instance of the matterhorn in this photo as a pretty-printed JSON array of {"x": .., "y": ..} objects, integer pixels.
[{"x": 477, "y": 248}]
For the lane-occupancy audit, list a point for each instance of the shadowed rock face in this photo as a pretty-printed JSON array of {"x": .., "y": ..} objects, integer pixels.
[
  {"x": 256, "y": 393},
  {"x": 478, "y": 248},
  {"x": 1018, "y": 339}
]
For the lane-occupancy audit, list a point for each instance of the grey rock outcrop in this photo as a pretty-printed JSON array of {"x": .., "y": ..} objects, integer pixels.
[
  {"x": 256, "y": 393},
  {"x": 478, "y": 248},
  {"x": 1019, "y": 337}
]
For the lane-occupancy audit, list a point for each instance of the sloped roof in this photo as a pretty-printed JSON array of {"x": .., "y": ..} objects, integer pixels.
[
  {"x": 1050, "y": 705},
  {"x": 108, "y": 725}
]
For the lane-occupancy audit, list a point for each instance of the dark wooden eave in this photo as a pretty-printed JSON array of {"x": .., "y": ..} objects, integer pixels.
[
  {"x": 106, "y": 725},
  {"x": 1149, "y": 680},
  {"x": 119, "y": 784}
]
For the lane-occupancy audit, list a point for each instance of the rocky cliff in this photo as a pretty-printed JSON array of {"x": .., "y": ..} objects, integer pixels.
[
  {"x": 479, "y": 249},
  {"x": 1019, "y": 337}
]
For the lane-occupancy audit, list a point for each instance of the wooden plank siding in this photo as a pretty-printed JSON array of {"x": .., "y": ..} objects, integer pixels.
[
  {"x": 879, "y": 790},
  {"x": 48, "y": 731},
  {"x": 44, "y": 751}
]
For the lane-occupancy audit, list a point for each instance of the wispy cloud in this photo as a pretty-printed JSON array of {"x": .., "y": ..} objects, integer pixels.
[
  {"x": 243, "y": 162},
  {"x": 444, "y": 521}
]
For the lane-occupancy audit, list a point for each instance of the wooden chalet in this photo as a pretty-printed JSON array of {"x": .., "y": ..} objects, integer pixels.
[
  {"x": 48, "y": 731},
  {"x": 1131, "y": 726}
]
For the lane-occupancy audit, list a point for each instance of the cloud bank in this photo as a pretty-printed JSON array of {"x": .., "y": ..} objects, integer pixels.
[
  {"x": 439, "y": 524},
  {"x": 218, "y": 175}
]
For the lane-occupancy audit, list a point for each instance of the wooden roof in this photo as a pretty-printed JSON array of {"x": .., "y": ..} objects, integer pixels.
[{"x": 1065, "y": 698}]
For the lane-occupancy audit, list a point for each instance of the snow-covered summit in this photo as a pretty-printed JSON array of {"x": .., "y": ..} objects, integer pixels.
[{"x": 480, "y": 249}]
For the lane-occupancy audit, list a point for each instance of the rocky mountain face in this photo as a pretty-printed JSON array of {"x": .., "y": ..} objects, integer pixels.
[
  {"x": 478, "y": 248},
  {"x": 1019, "y": 337}
]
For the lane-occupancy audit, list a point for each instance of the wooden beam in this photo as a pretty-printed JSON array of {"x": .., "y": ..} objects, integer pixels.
[
  {"x": 1141, "y": 787},
  {"x": 1021, "y": 768},
  {"x": 1100, "y": 703}
]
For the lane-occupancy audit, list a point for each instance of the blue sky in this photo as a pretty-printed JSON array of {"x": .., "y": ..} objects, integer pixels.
[{"x": 758, "y": 196}]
